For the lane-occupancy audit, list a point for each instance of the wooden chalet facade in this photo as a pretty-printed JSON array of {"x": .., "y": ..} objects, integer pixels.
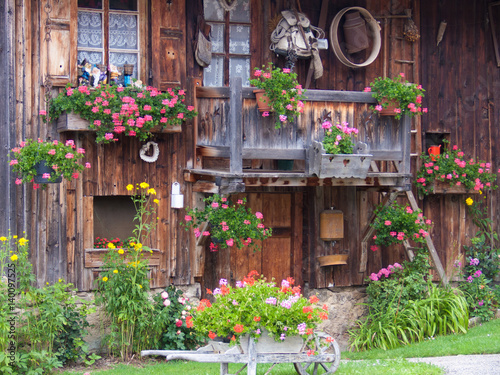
[{"x": 230, "y": 148}]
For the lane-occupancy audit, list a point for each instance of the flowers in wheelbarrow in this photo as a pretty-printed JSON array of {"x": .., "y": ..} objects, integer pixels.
[{"x": 255, "y": 304}]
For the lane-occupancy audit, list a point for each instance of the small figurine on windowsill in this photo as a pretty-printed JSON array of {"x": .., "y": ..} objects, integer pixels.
[
  {"x": 113, "y": 74},
  {"x": 96, "y": 74},
  {"x": 85, "y": 69}
]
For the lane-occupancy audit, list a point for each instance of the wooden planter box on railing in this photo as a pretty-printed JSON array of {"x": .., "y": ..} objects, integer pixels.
[
  {"x": 73, "y": 122},
  {"x": 441, "y": 187}
]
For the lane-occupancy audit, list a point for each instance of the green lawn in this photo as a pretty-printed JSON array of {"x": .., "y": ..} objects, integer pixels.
[{"x": 483, "y": 339}]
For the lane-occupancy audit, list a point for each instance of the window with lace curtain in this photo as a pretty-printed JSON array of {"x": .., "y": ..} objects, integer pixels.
[
  {"x": 230, "y": 36},
  {"x": 108, "y": 33}
]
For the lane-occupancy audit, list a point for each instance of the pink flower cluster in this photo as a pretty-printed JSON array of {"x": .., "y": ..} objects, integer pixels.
[{"x": 386, "y": 272}]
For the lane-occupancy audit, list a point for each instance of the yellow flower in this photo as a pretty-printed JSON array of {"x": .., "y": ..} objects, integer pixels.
[
  {"x": 156, "y": 201},
  {"x": 480, "y": 192},
  {"x": 120, "y": 251},
  {"x": 14, "y": 237},
  {"x": 3, "y": 238},
  {"x": 130, "y": 187},
  {"x": 60, "y": 280},
  {"x": 111, "y": 245},
  {"x": 104, "y": 279},
  {"x": 151, "y": 191},
  {"x": 22, "y": 241},
  {"x": 140, "y": 286},
  {"x": 469, "y": 201},
  {"x": 47, "y": 283},
  {"x": 138, "y": 246},
  {"x": 13, "y": 257},
  {"x": 144, "y": 185},
  {"x": 115, "y": 271}
]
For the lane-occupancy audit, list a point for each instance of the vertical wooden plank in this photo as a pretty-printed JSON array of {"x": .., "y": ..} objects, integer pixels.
[
  {"x": 297, "y": 224},
  {"x": 235, "y": 125},
  {"x": 71, "y": 235}
]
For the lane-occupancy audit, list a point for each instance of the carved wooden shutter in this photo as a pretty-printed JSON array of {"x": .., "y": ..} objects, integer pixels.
[
  {"x": 168, "y": 42},
  {"x": 58, "y": 55}
]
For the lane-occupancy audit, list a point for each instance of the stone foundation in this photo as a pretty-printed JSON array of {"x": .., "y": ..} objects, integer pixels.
[{"x": 343, "y": 310}]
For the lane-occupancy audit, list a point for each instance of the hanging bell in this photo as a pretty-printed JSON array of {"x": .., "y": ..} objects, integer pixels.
[{"x": 356, "y": 37}]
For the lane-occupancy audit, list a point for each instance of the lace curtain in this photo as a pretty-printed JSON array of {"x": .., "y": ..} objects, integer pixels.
[
  {"x": 239, "y": 42},
  {"x": 123, "y": 35}
]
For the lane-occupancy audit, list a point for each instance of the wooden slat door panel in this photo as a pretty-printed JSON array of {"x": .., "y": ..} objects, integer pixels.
[
  {"x": 168, "y": 30},
  {"x": 58, "y": 55}
]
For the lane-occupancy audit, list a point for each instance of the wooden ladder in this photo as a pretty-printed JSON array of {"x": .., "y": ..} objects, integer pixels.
[{"x": 369, "y": 230}]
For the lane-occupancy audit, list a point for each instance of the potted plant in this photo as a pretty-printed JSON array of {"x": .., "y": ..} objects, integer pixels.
[
  {"x": 112, "y": 110},
  {"x": 452, "y": 170},
  {"x": 396, "y": 96},
  {"x": 228, "y": 224},
  {"x": 337, "y": 156},
  {"x": 46, "y": 161},
  {"x": 283, "y": 94},
  {"x": 258, "y": 308},
  {"x": 395, "y": 224}
]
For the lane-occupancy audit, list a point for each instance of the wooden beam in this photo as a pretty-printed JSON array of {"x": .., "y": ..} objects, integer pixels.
[{"x": 236, "y": 126}]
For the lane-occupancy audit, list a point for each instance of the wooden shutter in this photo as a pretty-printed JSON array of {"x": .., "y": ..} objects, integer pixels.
[
  {"x": 58, "y": 55},
  {"x": 168, "y": 29}
]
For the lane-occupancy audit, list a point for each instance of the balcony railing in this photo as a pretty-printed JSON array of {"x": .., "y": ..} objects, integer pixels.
[{"x": 233, "y": 140}]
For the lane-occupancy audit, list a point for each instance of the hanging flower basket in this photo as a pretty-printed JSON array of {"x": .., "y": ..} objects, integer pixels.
[
  {"x": 262, "y": 101},
  {"x": 45, "y": 173}
]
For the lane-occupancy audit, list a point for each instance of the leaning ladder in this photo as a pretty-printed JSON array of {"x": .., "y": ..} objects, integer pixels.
[{"x": 368, "y": 233}]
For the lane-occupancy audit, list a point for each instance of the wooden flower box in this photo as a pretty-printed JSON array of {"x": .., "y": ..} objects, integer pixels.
[
  {"x": 94, "y": 258},
  {"x": 73, "y": 122},
  {"x": 441, "y": 187},
  {"x": 338, "y": 166}
]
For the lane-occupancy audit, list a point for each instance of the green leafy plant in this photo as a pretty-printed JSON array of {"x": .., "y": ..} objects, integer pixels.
[
  {"x": 64, "y": 158},
  {"x": 112, "y": 110},
  {"x": 338, "y": 138},
  {"x": 396, "y": 223},
  {"x": 173, "y": 321},
  {"x": 124, "y": 282},
  {"x": 50, "y": 321},
  {"x": 256, "y": 304},
  {"x": 452, "y": 168},
  {"x": 407, "y": 96},
  {"x": 285, "y": 95},
  {"x": 228, "y": 224}
]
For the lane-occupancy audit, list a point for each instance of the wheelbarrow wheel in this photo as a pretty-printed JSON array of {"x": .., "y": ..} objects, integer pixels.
[{"x": 321, "y": 344}]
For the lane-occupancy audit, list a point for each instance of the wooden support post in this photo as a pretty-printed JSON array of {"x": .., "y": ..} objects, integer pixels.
[
  {"x": 235, "y": 125},
  {"x": 438, "y": 266}
]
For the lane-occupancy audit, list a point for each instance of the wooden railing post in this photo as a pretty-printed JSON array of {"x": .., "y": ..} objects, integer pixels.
[
  {"x": 235, "y": 125},
  {"x": 406, "y": 149}
]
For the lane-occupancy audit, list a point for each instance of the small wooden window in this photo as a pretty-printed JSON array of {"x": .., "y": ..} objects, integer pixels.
[
  {"x": 113, "y": 217},
  {"x": 230, "y": 36},
  {"x": 108, "y": 33}
]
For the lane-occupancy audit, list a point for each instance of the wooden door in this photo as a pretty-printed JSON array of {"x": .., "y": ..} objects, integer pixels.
[{"x": 280, "y": 255}]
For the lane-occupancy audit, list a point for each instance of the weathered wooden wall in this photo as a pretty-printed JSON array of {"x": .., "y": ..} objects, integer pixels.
[{"x": 463, "y": 91}]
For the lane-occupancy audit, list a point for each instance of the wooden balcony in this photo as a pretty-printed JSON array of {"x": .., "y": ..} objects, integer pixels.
[{"x": 235, "y": 147}]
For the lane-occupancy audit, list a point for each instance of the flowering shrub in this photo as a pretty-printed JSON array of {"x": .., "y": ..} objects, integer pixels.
[
  {"x": 451, "y": 167},
  {"x": 228, "y": 224},
  {"x": 112, "y": 110},
  {"x": 395, "y": 224},
  {"x": 43, "y": 326},
  {"x": 286, "y": 96},
  {"x": 398, "y": 284},
  {"x": 173, "y": 321},
  {"x": 338, "y": 138},
  {"x": 255, "y": 304},
  {"x": 62, "y": 157},
  {"x": 408, "y": 96},
  {"x": 124, "y": 282}
]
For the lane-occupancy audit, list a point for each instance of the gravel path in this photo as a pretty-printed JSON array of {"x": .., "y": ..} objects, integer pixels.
[{"x": 484, "y": 364}]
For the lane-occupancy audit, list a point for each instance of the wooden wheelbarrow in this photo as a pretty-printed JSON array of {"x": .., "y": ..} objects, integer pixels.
[{"x": 318, "y": 353}]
